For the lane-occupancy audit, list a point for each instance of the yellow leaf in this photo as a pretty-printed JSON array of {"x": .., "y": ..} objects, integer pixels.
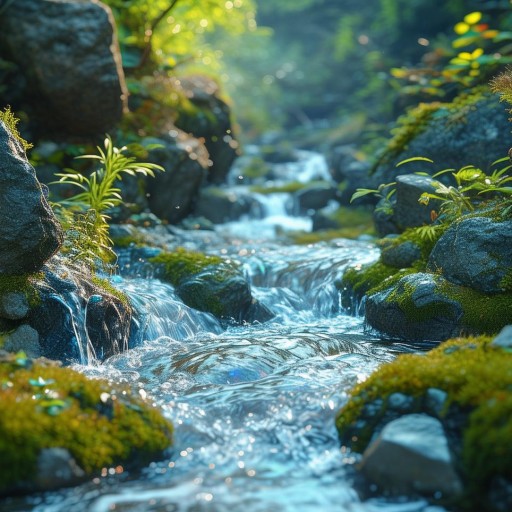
[
  {"x": 476, "y": 53},
  {"x": 461, "y": 28},
  {"x": 459, "y": 62},
  {"x": 489, "y": 34},
  {"x": 474, "y": 72},
  {"x": 473, "y": 17},
  {"x": 465, "y": 56},
  {"x": 398, "y": 72}
]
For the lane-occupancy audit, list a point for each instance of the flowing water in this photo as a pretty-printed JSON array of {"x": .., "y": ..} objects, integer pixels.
[{"x": 253, "y": 406}]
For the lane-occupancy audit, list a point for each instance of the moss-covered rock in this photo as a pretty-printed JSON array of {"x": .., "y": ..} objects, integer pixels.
[
  {"x": 473, "y": 380},
  {"x": 44, "y": 406},
  {"x": 211, "y": 284}
]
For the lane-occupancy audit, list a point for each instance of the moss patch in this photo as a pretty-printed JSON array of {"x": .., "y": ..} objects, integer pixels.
[
  {"x": 46, "y": 406},
  {"x": 182, "y": 263},
  {"x": 106, "y": 286},
  {"x": 477, "y": 378},
  {"x": 22, "y": 284}
]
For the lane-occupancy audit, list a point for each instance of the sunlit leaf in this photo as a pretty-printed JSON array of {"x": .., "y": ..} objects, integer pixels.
[
  {"x": 415, "y": 159},
  {"x": 461, "y": 28},
  {"x": 473, "y": 17}
]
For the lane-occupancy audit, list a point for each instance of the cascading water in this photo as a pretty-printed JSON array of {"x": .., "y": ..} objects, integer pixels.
[{"x": 254, "y": 405}]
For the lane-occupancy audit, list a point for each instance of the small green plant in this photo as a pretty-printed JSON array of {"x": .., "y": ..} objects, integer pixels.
[
  {"x": 85, "y": 213},
  {"x": 473, "y": 187},
  {"x": 11, "y": 121}
]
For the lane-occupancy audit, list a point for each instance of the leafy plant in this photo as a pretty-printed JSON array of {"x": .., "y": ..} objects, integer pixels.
[
  {"x": 473, "y": 186},
  {"x": 85, "y": 213}
]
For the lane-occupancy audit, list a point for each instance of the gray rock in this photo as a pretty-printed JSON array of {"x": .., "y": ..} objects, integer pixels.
[
  {"x": 314, "y": 198},
  {"x": 408, "y": 211},
  {"x": 414, "y": 310},
  {"x": 504, "y": 338},
  {"x": 56, "y": 468},
  {"x": 384, "y": 220},
  {"x": 172, "y": 194},
  {"x": 400, "y": 256},
  {"x": 218, "y": 206},
  {"x": 14, "y": 306},
  {"x": 68, "y": 52},
  {"x": 411, "y": 455},
  {"x": 475, "y": 253},
  {"x": 25, "y": 339},
  {"x": 400, "y": 402},
  {"x": 435, "y": 401},
  {"x": 223, "y": 291},
  {"x": 29, "y": 232},
  {"x": 476, "y": 133}
]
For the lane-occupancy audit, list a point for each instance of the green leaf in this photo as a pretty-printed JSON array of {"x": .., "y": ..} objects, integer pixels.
[
  {"x": 361, "y": 192},
  {"x": 414, "y": 159}
]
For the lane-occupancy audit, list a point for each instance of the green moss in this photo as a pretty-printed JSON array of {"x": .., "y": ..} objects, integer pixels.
[
  {"x": 106, "y": 286},
  {"x": 476, "y": 377},
  {"x": 11, "y": 121},
  {"x": 506, "y": 282},
  {"x": 486, "y": 313},
  {"x": 324, "y": 235},
  {"x": 46, "y": 406},
  {"x": 182, "y": 263},
  {"x": 292, "y": 186},
  {"x": 24, "y": 283}
]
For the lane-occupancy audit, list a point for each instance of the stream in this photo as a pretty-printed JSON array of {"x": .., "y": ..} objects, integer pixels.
[{"x": 254, "y": 405}]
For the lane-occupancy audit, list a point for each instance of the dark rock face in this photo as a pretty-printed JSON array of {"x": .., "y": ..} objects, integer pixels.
[
  {"x": 68, "y": 54},
  {"x": 400, "y": 256},
  {"x": 212, "y": 122},
  {"x": 474, "y": 132},
  {"x": 29, "y": 232},
  {"x": 414, "y": 310},
  {"x": 223, "y": 291},
  {"x": 476, "y": 253},
  {"x": 408, "y": 211},
  {"x": 314, "y": 198},
  {"x": 173, "y": 193},
  {"x": 218, "y": 206}
]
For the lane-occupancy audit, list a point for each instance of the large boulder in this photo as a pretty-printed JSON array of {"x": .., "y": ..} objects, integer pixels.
[
  {"x": 219, "y": 206},
  {"x": 472, "y": 130},
  {"x": 68, "y": 54},
  {"x": 173, "y": 193},
  {"x": 29, "y": 232},
  {"x": 476, "y": 252}
]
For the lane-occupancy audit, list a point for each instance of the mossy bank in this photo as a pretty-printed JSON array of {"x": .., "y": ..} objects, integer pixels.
[{"x": 101, "y": 425}]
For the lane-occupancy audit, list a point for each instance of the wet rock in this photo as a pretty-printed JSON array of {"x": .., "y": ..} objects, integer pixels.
[
  {"x": 400, "y": 256},
  {"x": 475, "y": 253},
  {"x": 14, "y": 305},
  {"x": 400, "y": 402},
  {"x": 25, "y": 339},
  {"x": 504, "y": 338},
  {"x": 29, "y": 232},
  {"x": 314, "y": 198},
  {"x": 69, "y": 56},
  {"x": 56, "y": 468},
  {"x": 218, "y": 206},
  {"x": 209, "y": 119},
  {"x": 223, "y": 291},
  {"x": 411, "y": 455},
  {"x": 414, "y": 310},
  {"x": 173, "y": 193}
]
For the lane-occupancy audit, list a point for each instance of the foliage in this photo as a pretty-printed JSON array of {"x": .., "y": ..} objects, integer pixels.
[
  {"x": 88, "y": 233},
  {"x": 168, "y": 33},
  {"x": 480, "y": 44},
  {"x": 11, "y": 121},
  {"x": 45, "y": 406},
  {"x": 472, "y": 187}
]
